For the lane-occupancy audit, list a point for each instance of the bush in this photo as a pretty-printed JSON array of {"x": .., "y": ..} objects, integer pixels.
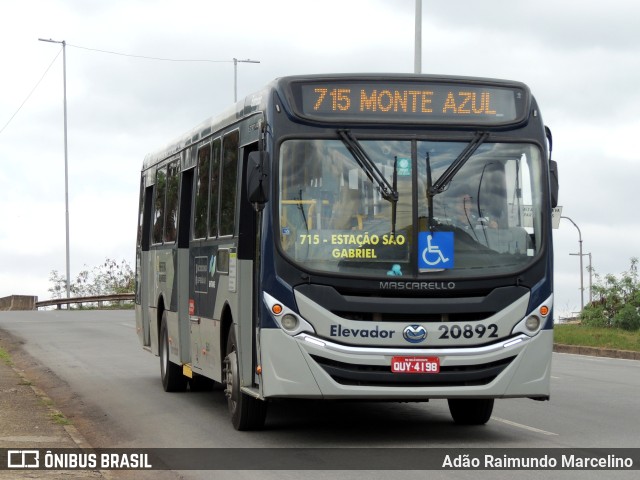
[
  {"x": 594, "y": 316},
  {"x": 616, "y": 301},
  {"x": 628, "y": 318}
]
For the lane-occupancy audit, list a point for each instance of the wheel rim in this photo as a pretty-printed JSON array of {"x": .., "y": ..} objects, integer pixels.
[{"x": 231, "y": 380}]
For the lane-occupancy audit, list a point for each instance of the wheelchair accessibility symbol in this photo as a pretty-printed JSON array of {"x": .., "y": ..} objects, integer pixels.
[{"x": 435, "y": 250}]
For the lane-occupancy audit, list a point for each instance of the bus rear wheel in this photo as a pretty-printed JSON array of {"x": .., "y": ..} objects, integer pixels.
[
  {"x": 171, "y": 374},
  {"x": 247, "y": 413},
  {"x": 471, "y": 411}
]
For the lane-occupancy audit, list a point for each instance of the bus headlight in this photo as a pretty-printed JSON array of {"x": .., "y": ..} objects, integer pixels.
[
  {"x": 290, "y": 322},
  {"x": 532, "y": 323}
]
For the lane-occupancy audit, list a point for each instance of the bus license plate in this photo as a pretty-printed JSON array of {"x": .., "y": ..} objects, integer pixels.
[{"x": 415, "y": 365}]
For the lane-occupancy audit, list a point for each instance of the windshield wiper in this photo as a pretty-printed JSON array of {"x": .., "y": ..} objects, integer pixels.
[
  {"x": 388, "y": 191},
  {"x": 443, "y": 182},
  {"x": 369, "y": 167},
  {"x": 429, "y": 192}
]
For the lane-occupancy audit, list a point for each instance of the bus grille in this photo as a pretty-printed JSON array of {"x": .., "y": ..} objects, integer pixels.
[
  {"x": 413, "y": 317},
  {"x": 381, "y": 376}
]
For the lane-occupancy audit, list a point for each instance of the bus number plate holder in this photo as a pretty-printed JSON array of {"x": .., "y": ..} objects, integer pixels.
[{"x": 415, "y": 365}]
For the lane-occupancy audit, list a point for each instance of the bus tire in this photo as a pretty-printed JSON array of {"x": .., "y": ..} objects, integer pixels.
[
  {"x": 471, "y": 411},
  {"x": 171, "y": 374},
  {"x": 247, "y": 413}
]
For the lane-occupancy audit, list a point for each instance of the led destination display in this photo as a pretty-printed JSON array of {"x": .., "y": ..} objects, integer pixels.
[{"x": 412, "y": 102}]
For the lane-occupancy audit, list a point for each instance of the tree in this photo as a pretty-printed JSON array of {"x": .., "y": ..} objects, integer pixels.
[
  {"x": 616, "y": 301},
  {"x": 108, "y": 278}
]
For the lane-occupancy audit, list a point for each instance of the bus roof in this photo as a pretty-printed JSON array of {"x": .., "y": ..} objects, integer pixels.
[{"x": 300, "y": 95}]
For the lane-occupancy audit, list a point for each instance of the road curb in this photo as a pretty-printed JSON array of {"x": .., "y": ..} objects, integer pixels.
[
  {"x": 71, "y": 430},
  {"x": 596, "y": 351}
]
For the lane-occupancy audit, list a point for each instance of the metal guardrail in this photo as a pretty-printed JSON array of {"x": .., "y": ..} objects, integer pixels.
[{"x": 99, "y": 299}]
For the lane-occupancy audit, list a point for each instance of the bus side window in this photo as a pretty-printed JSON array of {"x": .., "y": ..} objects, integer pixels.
[
  {"x": 171, "y": 205},
  {"x": 202, "y": 193},
  {"x": 159, "y": 201},
  {"x": 228, "y": 183},
  {"x": 145, "y": 220},
  {"x": 185, "y": 208},
  {"x": 214, "y": 187},
  {"x": 140, "y": 213}
]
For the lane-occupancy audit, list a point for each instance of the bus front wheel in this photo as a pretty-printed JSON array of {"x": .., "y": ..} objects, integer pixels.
[
  {"x": 247, "y": 413},
  {"x": 471, "y": 411}
]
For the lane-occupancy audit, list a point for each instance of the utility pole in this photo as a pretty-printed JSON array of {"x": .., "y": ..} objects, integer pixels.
[
  {"x": 66, "y": 157},
  {"x": 417, "y": 61},
  {"x": 235, "y": 75},
  {"x": 590, "y": 278},
  {"x": 581, "y": 267}
]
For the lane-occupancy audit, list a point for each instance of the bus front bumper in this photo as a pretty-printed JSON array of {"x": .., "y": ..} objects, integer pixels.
[{"x": 305, "y": 366}]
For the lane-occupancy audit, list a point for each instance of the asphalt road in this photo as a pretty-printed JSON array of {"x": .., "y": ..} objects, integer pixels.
[{"x": 93, "y": 367}]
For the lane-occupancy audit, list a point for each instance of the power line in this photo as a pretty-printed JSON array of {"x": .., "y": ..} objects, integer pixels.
[
  {"x": 234, "y": 60},
  {"x": 113, "y": 53},
  {"x": 148, "y": 58},
  {"x": 30, "y": 93}
]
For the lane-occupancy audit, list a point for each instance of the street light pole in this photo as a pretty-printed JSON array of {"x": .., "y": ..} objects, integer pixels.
[
  {"x": 235, "y": 75},
  {"x": 590, "y": 279},
  {"x": 580, "y": 255},
  {"x": 417, "y": 61},
  {"x": 66, "y": 158}
]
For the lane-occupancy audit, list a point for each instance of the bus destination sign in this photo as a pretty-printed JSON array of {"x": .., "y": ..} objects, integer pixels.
[{"x": 446, "y": 103}]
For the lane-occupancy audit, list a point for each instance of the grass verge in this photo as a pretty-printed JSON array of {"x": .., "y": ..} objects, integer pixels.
[
  {"x": 597, "y": 337},
  {"x": 5, "y": 357},
  {"x": 59, "y": 418}
]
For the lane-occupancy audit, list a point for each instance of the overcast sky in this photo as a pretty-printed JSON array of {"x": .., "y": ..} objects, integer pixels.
[{"x": 581, "y": 60}]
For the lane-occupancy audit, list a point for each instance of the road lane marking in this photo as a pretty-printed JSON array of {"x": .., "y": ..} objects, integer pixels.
[
  {"x": 128, "y": 325},
  {"x": 525, "y": 427}
]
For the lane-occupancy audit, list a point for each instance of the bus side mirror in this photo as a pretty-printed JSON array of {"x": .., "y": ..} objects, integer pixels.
[
  {"x": 554, "y": 183},
  {"x": 257, "y": 178}
]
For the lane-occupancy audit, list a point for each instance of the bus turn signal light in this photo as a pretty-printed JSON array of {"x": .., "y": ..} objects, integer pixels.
[
  {"x": 276, "y": 309},
  {"x": 544, "y": 310}
]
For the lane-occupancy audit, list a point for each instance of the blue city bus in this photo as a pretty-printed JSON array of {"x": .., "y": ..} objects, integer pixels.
[{"x": 354, "y": 237}]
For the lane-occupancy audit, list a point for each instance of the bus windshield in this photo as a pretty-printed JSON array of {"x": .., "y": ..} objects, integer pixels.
[{"x": 485, "y": 220}]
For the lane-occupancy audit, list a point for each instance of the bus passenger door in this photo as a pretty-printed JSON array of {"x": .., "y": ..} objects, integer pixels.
[
  {"x": 182, "y": 264},
  {"x": 144, "y": 274},
  {"x": 249, "y": 253},
  {"x": 203, "y": 261}
]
